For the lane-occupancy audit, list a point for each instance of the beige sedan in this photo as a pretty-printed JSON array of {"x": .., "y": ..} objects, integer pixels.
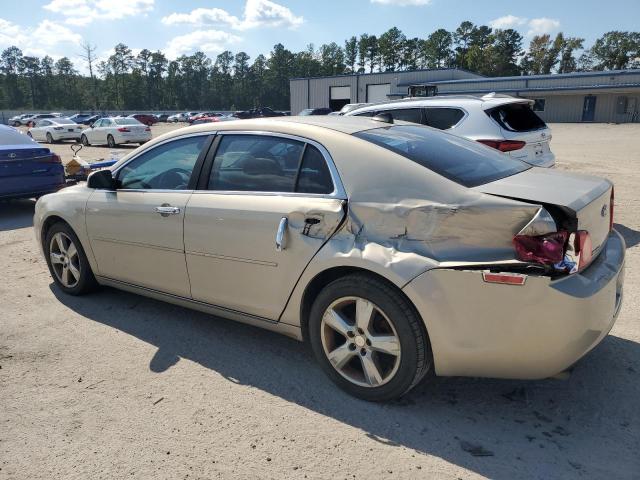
[{"x": 392, "y": 248}]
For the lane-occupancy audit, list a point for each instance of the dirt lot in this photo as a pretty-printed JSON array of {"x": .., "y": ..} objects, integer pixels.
[{"x": 114, "y": 385}]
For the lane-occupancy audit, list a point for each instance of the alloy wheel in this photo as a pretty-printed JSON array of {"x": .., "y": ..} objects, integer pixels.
[
  {"x": 360, "y": 341},
  {"x": 65, "y": 259}
]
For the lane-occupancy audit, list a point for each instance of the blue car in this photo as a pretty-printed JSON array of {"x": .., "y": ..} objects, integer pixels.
[{"x": 27, "y": 169}]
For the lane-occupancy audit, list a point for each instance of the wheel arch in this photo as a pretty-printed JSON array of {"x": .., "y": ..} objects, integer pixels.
[{"x": 325, "y": 277}]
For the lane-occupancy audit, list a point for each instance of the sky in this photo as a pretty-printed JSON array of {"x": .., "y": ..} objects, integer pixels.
[{"x": 58, "y": 27}]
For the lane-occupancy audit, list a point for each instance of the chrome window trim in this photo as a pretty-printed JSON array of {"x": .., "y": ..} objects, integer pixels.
[{"x": 338, "y": 188}]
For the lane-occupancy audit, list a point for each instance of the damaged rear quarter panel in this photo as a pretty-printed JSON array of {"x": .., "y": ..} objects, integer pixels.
[{"x": 403, "y": 219}]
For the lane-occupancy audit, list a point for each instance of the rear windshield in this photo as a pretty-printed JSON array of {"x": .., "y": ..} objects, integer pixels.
[
  {"x": 464, "y": 161},
  {"x": 126, "y": 121},
  {"x": 516, "y": 117},
  {"x": 9, "y": 136},
  {"x": 64, "y": 121}
]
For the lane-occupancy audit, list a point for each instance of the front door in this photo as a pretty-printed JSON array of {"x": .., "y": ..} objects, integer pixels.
[
  {"x": 589, "y": 108},
  {"x": 136, "y": 231},
  {"x": 265, "y": 209}
]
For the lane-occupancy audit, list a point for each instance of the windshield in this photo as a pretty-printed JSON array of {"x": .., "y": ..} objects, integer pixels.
[
  {"x": 126, "y": 121},
  {"x": 464, "y": 161}
]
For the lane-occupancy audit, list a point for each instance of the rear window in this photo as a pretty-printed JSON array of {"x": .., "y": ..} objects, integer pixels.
[
  {"x": 126, "y": 121},
  {"x": 464, "y": 161},
  {"x": 516, "y": 117},
  {"x": 9, "y": 136},
  {"x": 64, "y": 121}
]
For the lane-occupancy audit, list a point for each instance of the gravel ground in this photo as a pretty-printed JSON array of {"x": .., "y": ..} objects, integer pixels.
[{"x": 113, "y": 385}]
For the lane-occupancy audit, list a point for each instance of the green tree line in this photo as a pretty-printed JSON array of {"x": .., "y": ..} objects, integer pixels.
[{"x": 150, "y": 81}]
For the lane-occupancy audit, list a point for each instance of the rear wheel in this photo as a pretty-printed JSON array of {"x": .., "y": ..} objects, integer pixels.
[
  {"x": 84, "y": 140},
  {"x": 67, "y": 261},
  {"x": 49, "y": 138},
  {"x": 110, "y": 141},
  {"x": 368, "y": 338}
]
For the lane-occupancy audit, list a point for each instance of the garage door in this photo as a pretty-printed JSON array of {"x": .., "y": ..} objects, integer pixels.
[
  {"x": 341, "y": 93},
  {"x": 378, "y": 93}
]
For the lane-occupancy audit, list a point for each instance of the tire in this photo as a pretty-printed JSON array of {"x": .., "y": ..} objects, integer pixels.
[
  {"x": 49, "y": 138},
  {"x": 84, "y": 140},
  {"x": 394, "y": 317},
  {"x": 78, "y": 283},
  {"x": 111, "y": 143}
]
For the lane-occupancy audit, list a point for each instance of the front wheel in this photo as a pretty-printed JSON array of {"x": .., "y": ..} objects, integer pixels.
[
  {"x": 368, "y": 338},
  {"x": 111, "y": 142},
  {"x": 67, "y": 261}
]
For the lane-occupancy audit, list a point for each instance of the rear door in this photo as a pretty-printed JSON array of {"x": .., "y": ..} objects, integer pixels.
[
  {"x": 517, "y": 121},
  {"x": 262, "y": 211}
]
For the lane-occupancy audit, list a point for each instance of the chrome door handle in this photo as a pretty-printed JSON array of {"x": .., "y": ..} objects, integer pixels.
[
  {"x": 280, "y": 234},
  {"x": 166, "y": 210}
]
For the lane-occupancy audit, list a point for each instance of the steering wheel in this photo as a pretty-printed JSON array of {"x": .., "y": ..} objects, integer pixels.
[{"x": 174, "y": 179}]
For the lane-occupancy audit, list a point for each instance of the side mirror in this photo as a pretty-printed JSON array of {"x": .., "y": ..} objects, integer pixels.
[
  {"x": 92, "y": 125},
  {"x": 101, "y": 179}
]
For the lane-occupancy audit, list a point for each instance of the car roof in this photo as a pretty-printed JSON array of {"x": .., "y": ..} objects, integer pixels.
[{"x": 484, "y": 102}]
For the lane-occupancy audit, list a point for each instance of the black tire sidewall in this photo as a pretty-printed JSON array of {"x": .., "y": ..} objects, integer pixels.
[
  {"x": 111, "y": 143},
  {"x": 84, "y": 140},
  {"x": 87, "y": 280},
  {"x": 49, "y": 138},
  {"x": 395, "y": 308}
]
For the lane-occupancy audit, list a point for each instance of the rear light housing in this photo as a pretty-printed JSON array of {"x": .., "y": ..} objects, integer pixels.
[
  {"x": 583, "y": 248},
  {"x": 148, "y": 129},
  {"x": 611, "y": 209},
  {"x": 52, "y": 158},
  {"x": 545, "y": 249},
  {"x": 123, "y": 129},
  {"x": 58, "y": 128},
  {"x": 504, "y": 145}
]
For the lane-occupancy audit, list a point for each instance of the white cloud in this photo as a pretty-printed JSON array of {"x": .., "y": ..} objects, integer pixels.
[
  {"x": 257, "y": 13},
  {"x": 508, "y": 21},
  {"x": 402, "y": 3},
  {"x": 39, "y": 41},
  {"x": 208, "y": 41},
  {"x": 83, "y": 12},
  {"x": 540, "y": 26}
]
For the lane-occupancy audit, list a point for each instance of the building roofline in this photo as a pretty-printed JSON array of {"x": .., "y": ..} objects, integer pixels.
[
  {"x": 540, "y": 89},
  {"x": 481, "y": 77},
  {"x": 549, "y": 76}
]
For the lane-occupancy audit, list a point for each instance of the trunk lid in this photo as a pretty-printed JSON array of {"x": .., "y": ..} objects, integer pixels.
[
  {"x": 24, "y": 168},
  {"x": 584, "y": 200}
]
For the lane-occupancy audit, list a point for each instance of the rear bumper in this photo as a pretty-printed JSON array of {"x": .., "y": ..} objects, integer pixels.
[
  {"x": 32, "y": 193},
  {"x": 67, "y": 135},
  {"x": 527, "y": 332}
]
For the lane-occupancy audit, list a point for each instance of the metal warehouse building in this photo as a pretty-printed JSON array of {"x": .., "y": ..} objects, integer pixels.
[{"x": 611, "y": 96}]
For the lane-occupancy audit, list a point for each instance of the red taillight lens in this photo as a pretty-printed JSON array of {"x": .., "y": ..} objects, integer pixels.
[
  {"x": 546, "y": 249},
  {"x": 58, "y": 128},
  {"x": 504, "y": 145},
  {"x": 583, "y": 248},
  {"x": 611, "y": 210},
  {"x": 53, "y": 158},
  {"x": 123, "y": 129}
]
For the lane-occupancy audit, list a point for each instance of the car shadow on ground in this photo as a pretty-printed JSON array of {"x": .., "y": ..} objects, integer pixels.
[
  {"x": 584, "y": 426},
  {"x": 15, "y": 214},
  {"x": 631, "y": 237}
]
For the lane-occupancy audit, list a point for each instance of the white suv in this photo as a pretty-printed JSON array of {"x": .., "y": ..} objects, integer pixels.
[{"x": 502, "y": 122}]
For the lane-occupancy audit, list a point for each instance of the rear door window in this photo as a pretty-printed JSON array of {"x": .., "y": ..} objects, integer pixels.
[
  {"x": 463, "y": 161},
  {"x": 413, "y": 115},
  {"x": 516, "y": 117},
  {"x": 314, "y": 176},
  {"x": 443, "y": 118}
]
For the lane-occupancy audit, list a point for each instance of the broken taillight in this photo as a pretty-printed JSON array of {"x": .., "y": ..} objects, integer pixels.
[
  {"x": 583, "y": 248},
  {"x": 546, "y": 249},
  {"x": 504, "y": 145},
  {"x": 611, "y": 210}
]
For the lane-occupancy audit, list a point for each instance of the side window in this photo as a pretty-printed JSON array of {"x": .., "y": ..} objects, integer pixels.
[
  {"x": 255, "y": 163},
  {"x": 314, "y": 176},
  {"x": 43, "y": 123},
  {"x": 167, "y": 167},
  {"x": 443, "y": 118},
  {"x": 413, "y": 115}
]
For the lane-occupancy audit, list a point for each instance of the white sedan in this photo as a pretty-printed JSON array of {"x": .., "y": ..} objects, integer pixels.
[
  {"x": 116, "y": 131},
  {"x": 55, "y": 129}
]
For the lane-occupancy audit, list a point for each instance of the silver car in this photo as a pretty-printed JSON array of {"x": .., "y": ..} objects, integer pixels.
[{"x": 393, "y": 249}]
